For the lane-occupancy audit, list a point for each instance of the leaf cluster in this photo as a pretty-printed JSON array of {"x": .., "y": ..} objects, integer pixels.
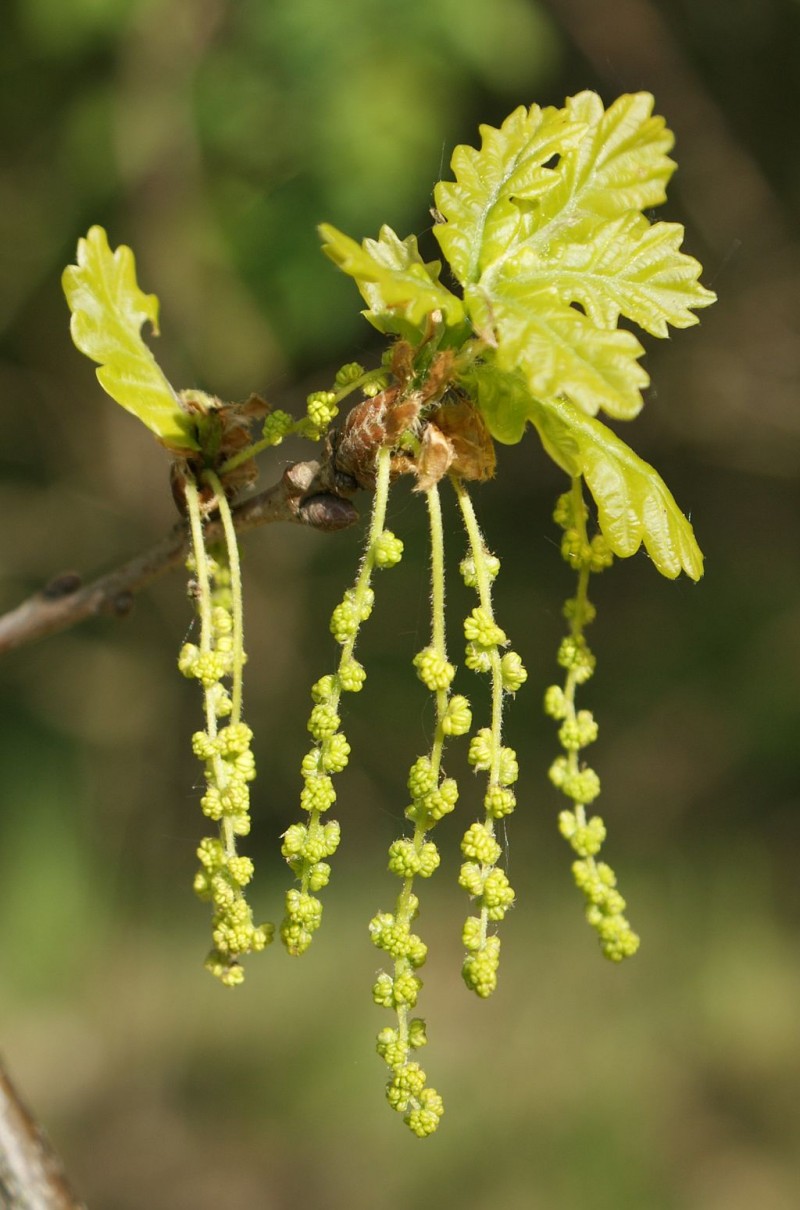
[{"x": 551, "y": 251}]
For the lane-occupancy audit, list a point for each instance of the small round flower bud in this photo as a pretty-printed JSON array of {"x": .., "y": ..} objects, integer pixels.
[
  {"x": 587, "y": 727},
  {"x": 344, "y": 621},
  {"x": 403, "y": 859},
  {"x": 421, "y": 779},
  {"x": 383, "y": 991},
  {"x": 417, "y": 1036},
  {"x": 332, "y": 833},
  {"x": 312, "y": 762},
  {"x": 574, "y": 655},
  {"x": 335, "y": 753},
  {"x": 555, "y": 703},
  {"x": 219, "y": 700},
  {"x": 469, "y": 571},
  {"x": 558, "y": 771},
  {"x": 351, "y": 675},
  {"x": 482, "y": 630},
  {"x": 276, "y": 427},
  {"x": 477, "y": 658},
  {"x": 582, "y": 787},
  {"x": 303, "y": 908},
  {"x": 222, "y": 893},
  {"x": 409, "y": 1081},
  {"x": 393, "y": 1052},
  {"x": 582, "y": 611},
  {"x": 470, "y": 878},
  {"x": 428, "y": 859},
  {"x": 240, "y": 870},
  {"x": 234, "y": 740},
  {"x": 497, "y": 892},
  {"x": 211, "y": 803},
  {"x": 406, "y": 990},
  {"x": 221, "y": 620},
  {"x": 509, "y": 768},
  {"x": 472, "y": 933},
  {"x": 321, "y": 408},
  {"x": 499, "y": 801},
  {"x": 319, "y": 875},
  {"x": 294, "y": 840},
  {"x": 374, "y": 387},
  {"x": 211, "y": 853},
  {"x": 387, "y": 550},
  {"x": 203, "y": 746},
  {"x": 513, "y": 671},
  {"x": 568, "y": 735},
  {"x": 480, "y": 749},
  {"x": 479, "y": 844},
  {"x": 323, "y": 689},
  {"x": 433, "y": 669},
  {"x": 601, "y": 554},
  {"x": 202, "y": 885},
  {"x": 457, "y": 718},
  {"x": 480, "y": 969},
  {"x": 567, "y": 823},
  {"x": 587, "y": 839},
  {"x": 564, "y": 513},
  {"x": 440, "y": 802},
  {"x": 323, "y": 722},
  {"x": 348, "y": 374},
  {"x": 574, "y": 550},
  {"x": 365, "y": 602},
  {"x": 317, "y": 794},
  {"x": 416, "y": 951}
]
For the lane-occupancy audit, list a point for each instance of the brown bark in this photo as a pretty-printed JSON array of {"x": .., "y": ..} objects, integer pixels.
[
  {"x": 31, "y": 1175},
  {"x": 300, "y": 496}
]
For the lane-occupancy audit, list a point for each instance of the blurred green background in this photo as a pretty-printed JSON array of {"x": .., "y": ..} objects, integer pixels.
[{"x": 213, "y": 136}]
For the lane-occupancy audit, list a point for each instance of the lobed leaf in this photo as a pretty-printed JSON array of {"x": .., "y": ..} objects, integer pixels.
[
  {"x": 108, "y": 311},
  {"x": 394, "y": 281},
  {"x": 620, "y": 164},
  {"x": 634, "y": 504},
  {"x": 544, "y": 227},
  {"x": 558, "y": 348},
  {"x": 623, "y": 266},
  {"x": 480, "y": 212}
]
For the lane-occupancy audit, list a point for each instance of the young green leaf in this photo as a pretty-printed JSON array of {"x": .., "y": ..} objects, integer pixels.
[
  {"x": 634, "y": 504},
  {"x": 108, "y": 310},
  {"x": 558, "y": 348},
  {"x": 544, "y": 228},
  {"x": 481, "y": 208},
  {"x": 621, "y": 163},
  {"x": 399, "y": 288},
  {"x": 503, "y": 399},
  {"x": 623, "y": 266}
]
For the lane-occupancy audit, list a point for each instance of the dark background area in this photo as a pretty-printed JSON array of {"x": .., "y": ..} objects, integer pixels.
[{"x": 212, "y": 137}]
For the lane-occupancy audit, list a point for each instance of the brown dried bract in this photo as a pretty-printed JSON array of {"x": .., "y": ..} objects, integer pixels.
[
  {"x": 226, "y": 431},
  {"x": 361, "y": 436},
  {"x": 447, "y": 437},
  {"x": 368, "y": 426},
  {"x": 473, "y": 449},
  {"x": 455, "y": 441},
  {"x": 434, "y": 459},
  {"x": 439, "y": 375}
]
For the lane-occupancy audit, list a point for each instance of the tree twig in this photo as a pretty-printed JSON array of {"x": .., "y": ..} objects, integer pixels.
[
  {"x": 31, "y": 1175},
  {"x": 302, "y": 496}
]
